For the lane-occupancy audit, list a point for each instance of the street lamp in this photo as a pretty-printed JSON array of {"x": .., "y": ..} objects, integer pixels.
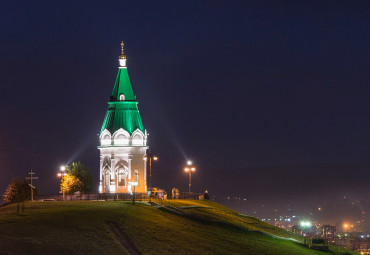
[
  {"x": 151, "y": 157},
  {"x": 189, "y": 169},
  {"x": 304, "y": 226},
  {"x": 61, "y": 174},
  {"x": 346, "y": 226},
  {"x": 62, "y": 171},
  {"x": 133, "y": 184}
]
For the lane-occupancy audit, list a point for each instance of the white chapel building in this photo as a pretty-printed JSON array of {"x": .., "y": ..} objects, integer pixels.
[{"x": 123, "y": 139}]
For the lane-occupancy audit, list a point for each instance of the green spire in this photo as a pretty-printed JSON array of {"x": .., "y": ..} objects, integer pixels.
[
  {"x": 122, "y": 110},
  {"x": 122, "y": 86}
]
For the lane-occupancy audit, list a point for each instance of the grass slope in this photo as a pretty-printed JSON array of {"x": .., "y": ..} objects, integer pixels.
[{"x": 90, "y": 227}]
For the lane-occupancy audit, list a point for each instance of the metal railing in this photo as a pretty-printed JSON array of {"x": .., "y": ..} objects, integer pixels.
[{"x": 117, "y": 197}]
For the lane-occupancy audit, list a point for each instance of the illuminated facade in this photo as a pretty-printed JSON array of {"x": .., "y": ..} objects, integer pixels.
[{"x": 123, "y": 139}]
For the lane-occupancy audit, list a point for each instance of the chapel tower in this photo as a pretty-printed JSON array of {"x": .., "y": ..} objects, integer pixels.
[{"x": 123, "y": 139}]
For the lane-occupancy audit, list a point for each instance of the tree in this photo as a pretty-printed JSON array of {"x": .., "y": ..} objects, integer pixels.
[
  {"x": 78, "y": 178},
  {"x": 70, "y": 184},
  {"x": 18, "y": 191}
]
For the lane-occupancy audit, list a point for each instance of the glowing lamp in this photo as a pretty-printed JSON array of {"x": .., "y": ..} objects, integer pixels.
[
  {"x": 306, "y": 224},
  {"x": 189, "y": 163},
  {"x": 62, "y": 168}
]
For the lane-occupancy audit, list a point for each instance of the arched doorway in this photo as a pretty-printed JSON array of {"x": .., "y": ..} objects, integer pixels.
[{"x": 122, "y": 178}]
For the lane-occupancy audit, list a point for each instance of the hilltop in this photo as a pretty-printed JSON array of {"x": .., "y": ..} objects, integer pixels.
[{"x": 116, "y": 227}]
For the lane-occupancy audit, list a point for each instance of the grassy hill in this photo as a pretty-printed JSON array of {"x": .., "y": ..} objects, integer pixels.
[{"x": 116, "y": 227}]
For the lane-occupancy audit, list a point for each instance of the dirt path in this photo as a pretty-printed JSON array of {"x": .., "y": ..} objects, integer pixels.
[{"x": 120, "y": 236}]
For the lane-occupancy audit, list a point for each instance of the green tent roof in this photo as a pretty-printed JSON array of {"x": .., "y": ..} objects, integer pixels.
[
  {"x": 123, "y": 86},
  {"x": 122, "y": 114}
]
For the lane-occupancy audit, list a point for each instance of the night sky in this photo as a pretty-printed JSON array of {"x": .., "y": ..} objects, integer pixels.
[{"x": 270, "y": 99}]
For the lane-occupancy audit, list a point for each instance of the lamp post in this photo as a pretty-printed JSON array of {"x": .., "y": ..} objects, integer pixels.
[
  {"x": 61, "y": 174},
  {"x": 151, "y": 157},
  {"x": 189, "y": 169},
  {"x": 304, "y": 226},
  {"x": 345, "y": 227},
  {"x": 133, "y": 184}
]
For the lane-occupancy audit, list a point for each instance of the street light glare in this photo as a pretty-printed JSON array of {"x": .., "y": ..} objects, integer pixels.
[
  {"x": 145, "y": 158},
  {"x": 306, "y": 224},
  {"x": 189, "y": 163},
  {"x": 62, "y": 168},
  {"x": 186, "y": 169},
  {"x": 193, "y": 169},
  {"x": 155, "y": 158}
]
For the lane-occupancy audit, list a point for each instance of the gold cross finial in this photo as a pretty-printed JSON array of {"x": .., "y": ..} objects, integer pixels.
[{"x": 123, "y": 56}]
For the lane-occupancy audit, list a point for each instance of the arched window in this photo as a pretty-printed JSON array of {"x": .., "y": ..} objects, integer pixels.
[
  {"x": 121, "y": 178},
  {"x": 122, "y": 97},
  {"x": 106, "y": 178}
]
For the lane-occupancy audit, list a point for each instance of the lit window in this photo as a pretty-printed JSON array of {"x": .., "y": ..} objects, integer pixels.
[{"x": 122, "y": 97}]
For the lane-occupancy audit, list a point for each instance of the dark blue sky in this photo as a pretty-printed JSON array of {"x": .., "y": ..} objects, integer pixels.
[{"x": 233, "y": 85}]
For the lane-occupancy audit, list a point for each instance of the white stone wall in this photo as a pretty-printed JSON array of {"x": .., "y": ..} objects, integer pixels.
[{"x": 121, "y": 153}]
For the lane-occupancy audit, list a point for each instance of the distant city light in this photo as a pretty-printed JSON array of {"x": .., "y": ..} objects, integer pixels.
[{"x": 306, "y": 224}]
